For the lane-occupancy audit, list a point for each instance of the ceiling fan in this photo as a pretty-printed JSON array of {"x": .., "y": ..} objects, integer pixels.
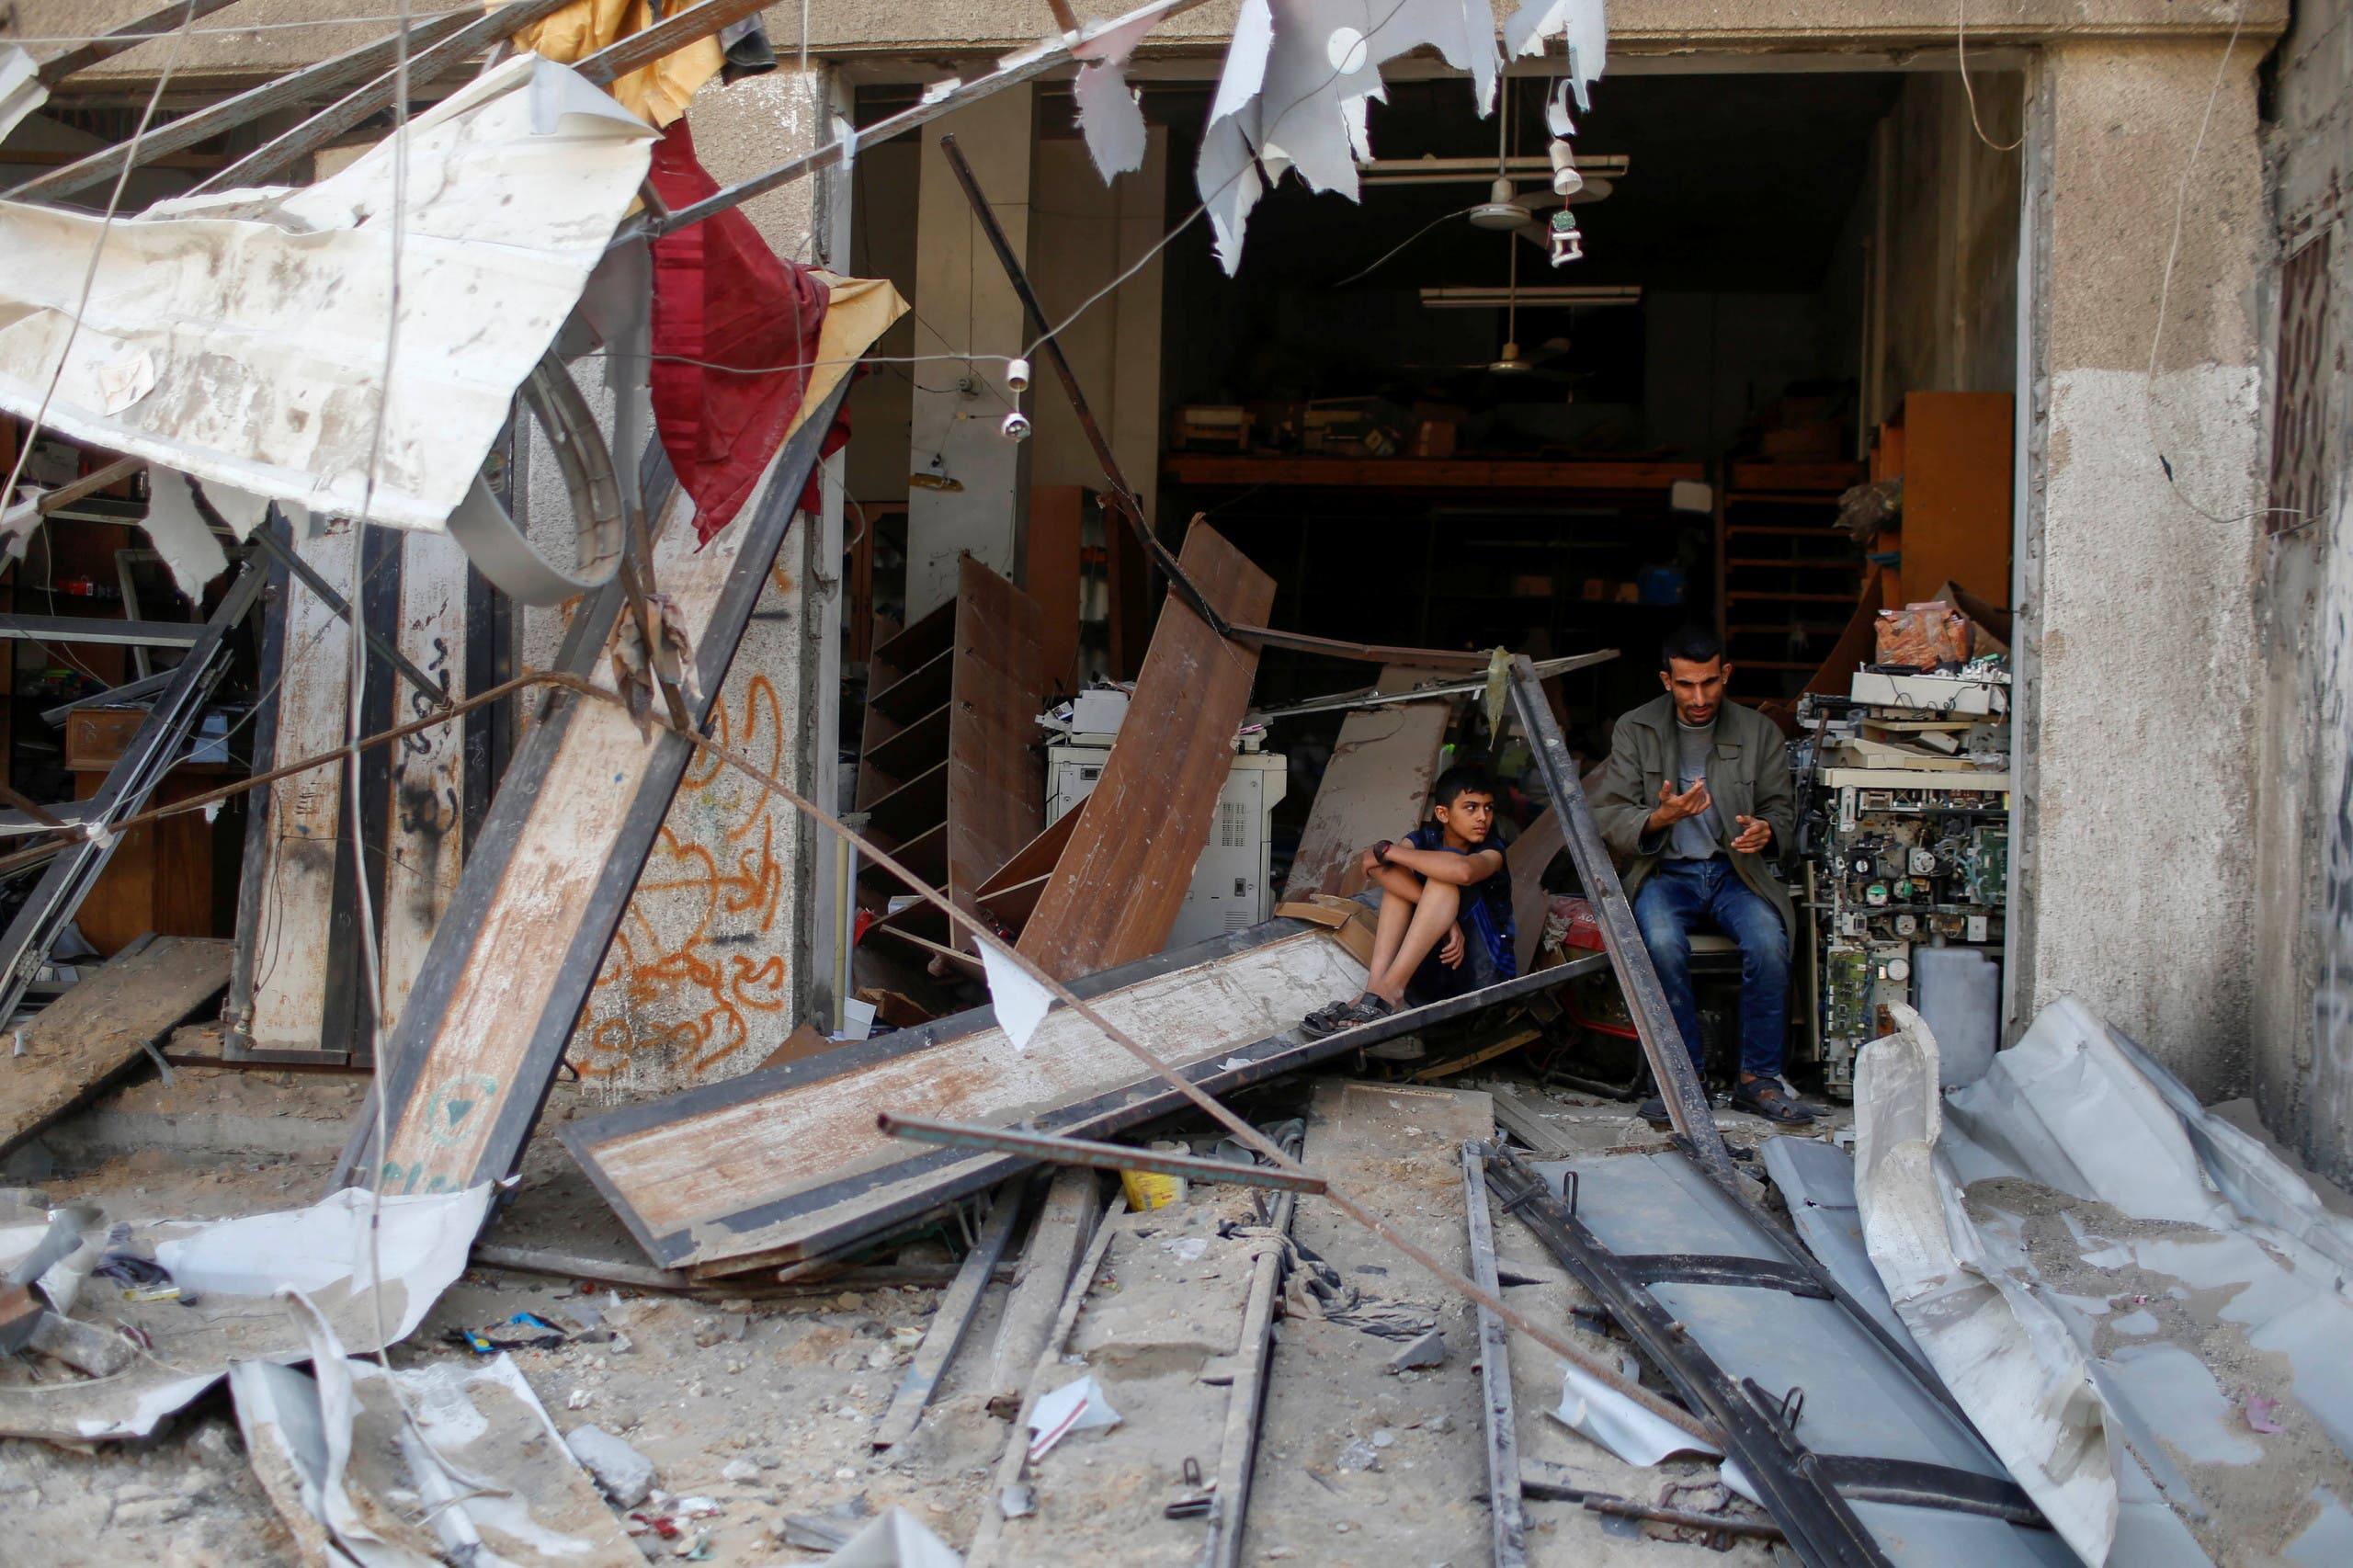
[{"x": 1514, "y": 361}]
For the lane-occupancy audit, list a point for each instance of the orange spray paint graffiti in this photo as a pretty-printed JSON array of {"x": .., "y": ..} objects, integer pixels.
[{"x": 696, "y": 984}]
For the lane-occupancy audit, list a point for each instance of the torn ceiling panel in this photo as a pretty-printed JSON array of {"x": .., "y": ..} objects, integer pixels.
[
  {"x": 241, "y": 337},
  {"x": 1301, "y": 74}
]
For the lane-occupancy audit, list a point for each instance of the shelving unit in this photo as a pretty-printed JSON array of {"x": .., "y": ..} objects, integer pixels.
[
  {"x": 946, "y": 775},
  {"x": 1781, "y": 567}
]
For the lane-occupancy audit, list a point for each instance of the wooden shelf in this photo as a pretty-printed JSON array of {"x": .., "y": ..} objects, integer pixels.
[
  {"x": 1223, "y": 469},
  {"x": 1761, "y": 595},
  {"x": 912, "y": 748},
  {"x": 925, "y": 854},
  {"x": 919, "y": 643},
  {"x": 1806, "y": 563},
  {"x": 915, "y": 807},
  {"x": 922, "y": 690}
]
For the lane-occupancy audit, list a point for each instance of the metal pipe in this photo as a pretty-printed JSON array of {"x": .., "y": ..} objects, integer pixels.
[
  {"x": 131, "y": 35},
  {"x": 1061, "y": 1151},
  {"x": 1662, "y": 1044},
  {"x": 172, "y": 136},
  {"x": 348, "y": 112},
  {"x": 1372, "y": 698}
]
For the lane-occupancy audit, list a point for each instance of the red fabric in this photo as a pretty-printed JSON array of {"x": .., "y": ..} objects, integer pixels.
[{"x": 721, "y": 296}]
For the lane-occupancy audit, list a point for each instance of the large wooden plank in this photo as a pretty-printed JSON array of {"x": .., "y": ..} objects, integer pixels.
[
  {"x": 286, "y": 915},
  {"x": 996, "y": 793},
  {"x": 1376, "y": 785},
  {"x": 787, "y": 1162},
  {"x": 578, "y": 814},
  {"x": 1116, "y": 892},
  {"x": 1525, "y": 857},
  {"x": 79, "y": 1042},
  {"x": 425, "y": 833},
  {"x": 1051, "y": 574}
]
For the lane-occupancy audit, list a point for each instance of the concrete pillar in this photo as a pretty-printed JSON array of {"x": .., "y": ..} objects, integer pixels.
[
  {"x": 2136, "y": 728},
  {"x": 2303, "y": 918},
  {"x": 979, "y": 490}
]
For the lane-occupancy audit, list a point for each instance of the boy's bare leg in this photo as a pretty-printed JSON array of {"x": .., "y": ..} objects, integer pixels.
[
  {"x": 1433, "y": 917},
  {"x": 1400, "y": 892}
]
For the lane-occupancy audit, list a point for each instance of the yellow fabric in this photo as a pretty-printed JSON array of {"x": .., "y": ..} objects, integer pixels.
[
  {"x": 858, "y": 312},
  {"x": 656, "y": 93}
]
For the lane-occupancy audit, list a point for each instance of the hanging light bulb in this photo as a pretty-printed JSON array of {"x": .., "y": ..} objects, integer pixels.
[{"x": 1567, "y": 243}]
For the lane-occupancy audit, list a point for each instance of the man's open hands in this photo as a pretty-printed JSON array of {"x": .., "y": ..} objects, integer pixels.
[
  {"x": 1450, "y": 952},
  {"x": 1674, "y": 808},
  {"x": 1756, "y": 833}
]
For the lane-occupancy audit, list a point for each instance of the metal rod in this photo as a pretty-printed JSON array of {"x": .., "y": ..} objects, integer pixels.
[
  {"x": 1663, "y": 1045},
  {"x": 1763, "y": 1530},
  {"x": 1061, "y": 1151},
  {"x": 1123, "y": 496},
  {"x": 89, "y": 484},
  {"x": 280, "y": 550},
  {"x": 1246, "y": 1401},
  {"x": 1506, "y": 1518},
  {"x": 348, "y": 112},
  {"x": 131, "y": 35},
  {"x": 1021, "y": 68},
  {"x": 98, "y": 629},
  {"x": 285, "y": 92},
  {"x": 1372, "y": 697},
  {"x": 958, "y": 1306}
]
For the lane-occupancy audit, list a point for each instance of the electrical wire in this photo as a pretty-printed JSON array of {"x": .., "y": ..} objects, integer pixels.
[
  {"x": 1393, "y": 251},
  {"x": 1969, "y": 91}
]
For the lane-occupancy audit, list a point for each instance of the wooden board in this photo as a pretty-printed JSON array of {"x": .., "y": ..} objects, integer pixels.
[
  {"x": 79, "y": 1042},
  {"x": 1011, "y": 893},
  {"x": 996, "y": 792},
  {"x": 1957, "y": 492},
  {"x": 1425, "y": 474},
  {"x": 787, "y": 1163},
  {"x": 559, "y": 856},
  {"x": 425, "y": 831},
  {"x": 287, "y": 924},
  {"x": 1050, "y": 576},
  {"x": 1376, "y": 785},
  {"x": 1116, "y": 891}
]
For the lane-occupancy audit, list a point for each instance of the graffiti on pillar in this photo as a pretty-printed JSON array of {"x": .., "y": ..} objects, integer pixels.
[{"x": 696, "y": 984}]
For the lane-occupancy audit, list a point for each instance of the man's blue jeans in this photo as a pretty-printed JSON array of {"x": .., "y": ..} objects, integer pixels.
[{"x": 1679, "y": 894}]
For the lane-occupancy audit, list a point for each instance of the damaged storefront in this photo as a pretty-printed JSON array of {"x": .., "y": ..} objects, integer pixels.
[{"x": 1245, "y": 783}]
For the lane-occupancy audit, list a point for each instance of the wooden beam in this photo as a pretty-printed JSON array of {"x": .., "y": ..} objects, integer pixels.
[
  {"x": 996, "y": 795},
  {"x": 1229, "y": 470},
  {"x": 1119, "y": 886},
  {"x": 81, "y": 1042}
]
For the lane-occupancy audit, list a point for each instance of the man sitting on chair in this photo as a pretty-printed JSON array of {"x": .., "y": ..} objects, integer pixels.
[
  {"x": 1695, "y": 796},
  {"x": 1446, "y": 923}
]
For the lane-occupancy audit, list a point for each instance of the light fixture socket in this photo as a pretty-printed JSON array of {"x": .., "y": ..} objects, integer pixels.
[
  {"x": 1017, "y": 375},
  {"x": 1566, "y": 181},
  {"x": 1015, "y": 427}
]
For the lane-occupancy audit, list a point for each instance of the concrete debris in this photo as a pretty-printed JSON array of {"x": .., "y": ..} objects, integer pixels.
[
  {"x": 240, "y": 336},
  {"x": 1429, "y": 1350},
  {"x": 626, "y": 1476}
]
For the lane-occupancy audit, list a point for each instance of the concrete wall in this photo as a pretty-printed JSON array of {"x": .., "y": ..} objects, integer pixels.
[
  {"x": 1948, "y": 314},
  {"x": 2303, "y": 844},
  {"x": 2137, "y": 730}
]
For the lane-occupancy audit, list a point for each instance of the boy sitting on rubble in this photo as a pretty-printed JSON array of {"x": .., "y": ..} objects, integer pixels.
[{"x": 1446, "y": 923}]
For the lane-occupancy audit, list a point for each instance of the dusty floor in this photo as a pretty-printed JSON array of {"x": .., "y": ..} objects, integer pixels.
[{"x": 762, "y": 1406}]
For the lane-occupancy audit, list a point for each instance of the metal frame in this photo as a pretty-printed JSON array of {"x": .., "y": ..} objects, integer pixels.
[
  {"x": 97, "y": 629},
  {"x": 1821, "y": 1528},
  {"x": 1507, "y": 1512},
  {"x": 957, "y": 1175},
  {"x": 152, "y": 751},
  {"x": 1687, "y": 1098}
]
